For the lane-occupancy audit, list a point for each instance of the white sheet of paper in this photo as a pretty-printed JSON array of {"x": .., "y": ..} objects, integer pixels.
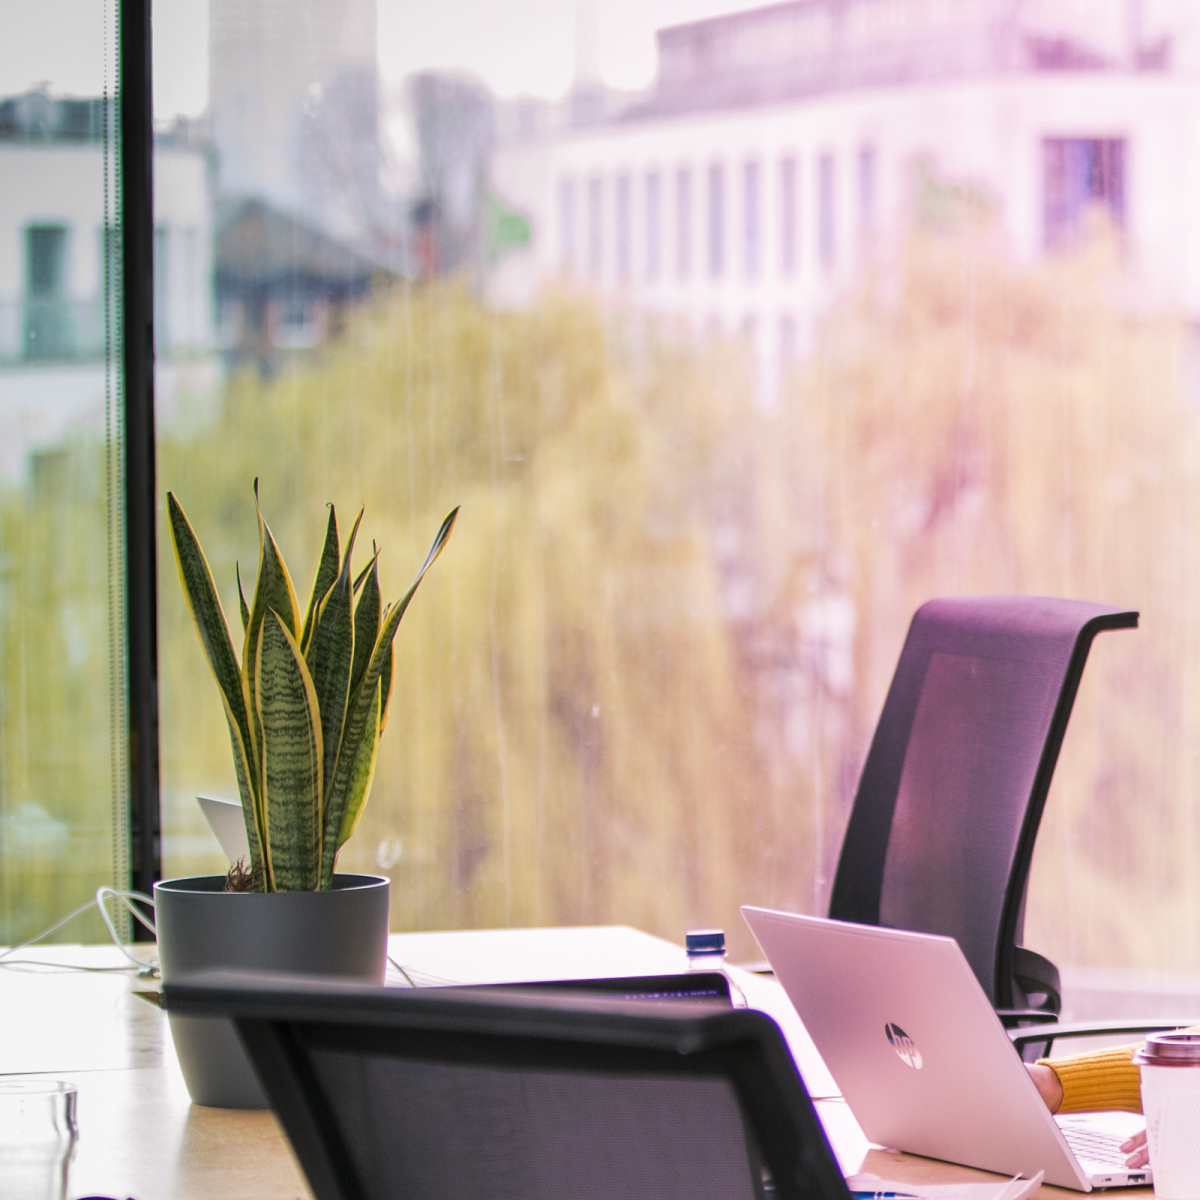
[
  {"x": 481, "y": 956},
  {"x": 1012, "y": 1189}
]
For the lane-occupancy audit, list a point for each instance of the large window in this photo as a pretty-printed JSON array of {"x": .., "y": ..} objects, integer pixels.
[
  {"x": 716, "y": 221},
  {"x": 48, "y": 324},
  {"x": 624, "y": 232},
  {"x": 867, "y": 187},
  {"x": 403, "y": 269},
  {"x": 640, "y": 683},
  {"x": 683, "y": 224},
  {"x": 566, "y": 225},
  {"x": 789, "y": 217},
  {"x": 64, "y": 827},
  {"x": 751, "y": 220},
  {"x": 826, "y": 211},
  {"x": 653, "y": 225},
  {"x": 1082, "y": 177},
  {"x": 595, "y": 220}
]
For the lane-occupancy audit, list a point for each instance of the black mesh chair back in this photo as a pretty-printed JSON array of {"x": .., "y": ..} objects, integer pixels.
[
  {"x": 942, "y": 830},
  {"x": 519, "y": 1094}
]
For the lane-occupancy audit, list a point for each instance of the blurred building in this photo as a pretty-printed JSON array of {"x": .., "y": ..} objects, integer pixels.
[
  {"x": 454, "y": 121},
  {"x": 53, "y": 231},
  {"x": 59, "y": 298},
  {"x": 294, "y": 110},
  {"x": 283, "y": 286},
  {"x": 781, "y": 148}
]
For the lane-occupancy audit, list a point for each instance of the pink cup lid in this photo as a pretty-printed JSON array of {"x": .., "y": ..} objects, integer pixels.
[{"x": 1170, "y": 1050}]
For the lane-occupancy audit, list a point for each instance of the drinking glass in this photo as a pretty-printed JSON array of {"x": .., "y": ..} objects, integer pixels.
[{"x": 37, "y": 1138}]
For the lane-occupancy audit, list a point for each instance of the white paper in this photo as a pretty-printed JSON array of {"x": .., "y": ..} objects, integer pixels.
[
  {"x": 1012, "y": 1189},
  {"x": 482, "y": 956}
]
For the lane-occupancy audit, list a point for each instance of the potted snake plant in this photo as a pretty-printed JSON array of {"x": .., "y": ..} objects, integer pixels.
[{"x": 306, "y": 705}]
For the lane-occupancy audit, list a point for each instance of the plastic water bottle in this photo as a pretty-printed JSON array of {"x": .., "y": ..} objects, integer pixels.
[
  {"x": 706, "y": 952},
  {"x": 705, "y": 949}
]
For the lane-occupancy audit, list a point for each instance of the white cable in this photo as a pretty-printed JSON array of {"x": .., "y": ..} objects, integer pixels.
[
  {"x": 103, "y": 893},
  {"x": 411, "y": 982}
]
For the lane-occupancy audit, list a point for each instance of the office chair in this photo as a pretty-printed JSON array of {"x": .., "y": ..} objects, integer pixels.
[
  {"x": 494, "y": 1093},
  {"x": 942, "y": 830}
]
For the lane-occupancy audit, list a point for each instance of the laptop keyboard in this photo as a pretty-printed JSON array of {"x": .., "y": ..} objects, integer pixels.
[{"x": 1102, "y": 1149}]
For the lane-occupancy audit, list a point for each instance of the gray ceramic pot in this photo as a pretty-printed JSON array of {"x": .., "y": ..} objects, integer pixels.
[{"x": 341, "y": 932}]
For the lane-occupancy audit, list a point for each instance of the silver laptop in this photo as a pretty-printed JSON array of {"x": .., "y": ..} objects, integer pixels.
[{"x": 921, "y": 1057}]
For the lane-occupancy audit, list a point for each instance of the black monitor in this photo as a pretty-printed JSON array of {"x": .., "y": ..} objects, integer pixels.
[{"x": 533, "y": 1093}]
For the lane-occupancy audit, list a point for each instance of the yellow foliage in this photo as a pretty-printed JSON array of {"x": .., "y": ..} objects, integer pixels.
[
  {"x": 640, "y": 686},
  {"x": 567, "y": 739},
  {"x": 988, "y": 428}
]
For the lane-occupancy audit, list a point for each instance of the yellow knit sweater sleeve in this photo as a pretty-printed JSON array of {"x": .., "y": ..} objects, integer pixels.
[{"x": 1101, "y": 1080}]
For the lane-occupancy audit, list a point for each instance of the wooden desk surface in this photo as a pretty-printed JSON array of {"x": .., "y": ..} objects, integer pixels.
[{"x": 141, "y": 1137}]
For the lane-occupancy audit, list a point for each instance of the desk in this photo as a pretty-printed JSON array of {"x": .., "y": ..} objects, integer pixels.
[{"x": 140, "y": 1136}]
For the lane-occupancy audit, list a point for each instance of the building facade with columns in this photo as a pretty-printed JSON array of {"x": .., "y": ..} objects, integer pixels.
[{"x": 780, "y": 148}]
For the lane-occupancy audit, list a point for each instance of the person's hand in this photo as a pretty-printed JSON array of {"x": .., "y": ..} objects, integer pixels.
[
  {"x": 1138, "y": 1151},
  {"x": 1047, "y": 1083}
]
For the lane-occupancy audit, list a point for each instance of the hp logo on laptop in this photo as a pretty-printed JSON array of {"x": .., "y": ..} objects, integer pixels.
[{"x": 904, "y": 1046}]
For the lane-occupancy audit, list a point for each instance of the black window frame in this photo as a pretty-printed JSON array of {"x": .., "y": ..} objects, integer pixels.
[{"x": 136, "y": 173}]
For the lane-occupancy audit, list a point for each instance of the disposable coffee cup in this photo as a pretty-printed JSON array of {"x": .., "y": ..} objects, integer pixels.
[{"x": 1170, "y": 1069}]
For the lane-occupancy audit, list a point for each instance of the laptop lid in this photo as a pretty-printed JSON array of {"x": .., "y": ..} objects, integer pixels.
[
  {"x": 915, "y": 1046},
  {"x": 485, "y": 1092}
]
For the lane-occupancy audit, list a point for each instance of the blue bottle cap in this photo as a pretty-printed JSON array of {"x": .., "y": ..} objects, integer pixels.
[{"x": 705, "y": 941}]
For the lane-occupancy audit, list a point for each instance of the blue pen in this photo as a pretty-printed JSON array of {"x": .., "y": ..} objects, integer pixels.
[{"x": 885, "y": 1196}]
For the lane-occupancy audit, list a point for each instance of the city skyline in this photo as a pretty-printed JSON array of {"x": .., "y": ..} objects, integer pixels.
[{"x": 519, "y": 47}]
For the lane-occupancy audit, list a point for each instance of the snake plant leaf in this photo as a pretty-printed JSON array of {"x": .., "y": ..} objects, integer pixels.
[
  {"x": 292, "y": 758},
  {"x": 362, "y": 703},
  {"x": 242, "y": 598},
  {"x": 272, "y": 590},
  {"x": 358, "y": 582},
  {"x": 327, "y": 572},
  {"x": 366, "y": 621},
  {"x": 364, "y": 774},
  {"x": 305, "y": 713},
  {"x": 439, "y": 541},
  {"x": 210, "y": 624},
  {"x": 253, "y": 813},
  {"x": 209, "y": 619},
  {"x": 330, "y": 657},
  {"x": 385, "y": 688},
  {"x": 205, "y": 607}
]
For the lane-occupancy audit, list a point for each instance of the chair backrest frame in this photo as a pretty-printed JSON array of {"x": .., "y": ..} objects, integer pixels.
[
  {"x": 1067, "y": 628},
  {"x": 283, "y": 1019}
]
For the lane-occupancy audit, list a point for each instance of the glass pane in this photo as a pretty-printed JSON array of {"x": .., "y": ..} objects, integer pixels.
[
  {"x": 737, "y": 332},
  {"x": 63, "y": 791}
]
